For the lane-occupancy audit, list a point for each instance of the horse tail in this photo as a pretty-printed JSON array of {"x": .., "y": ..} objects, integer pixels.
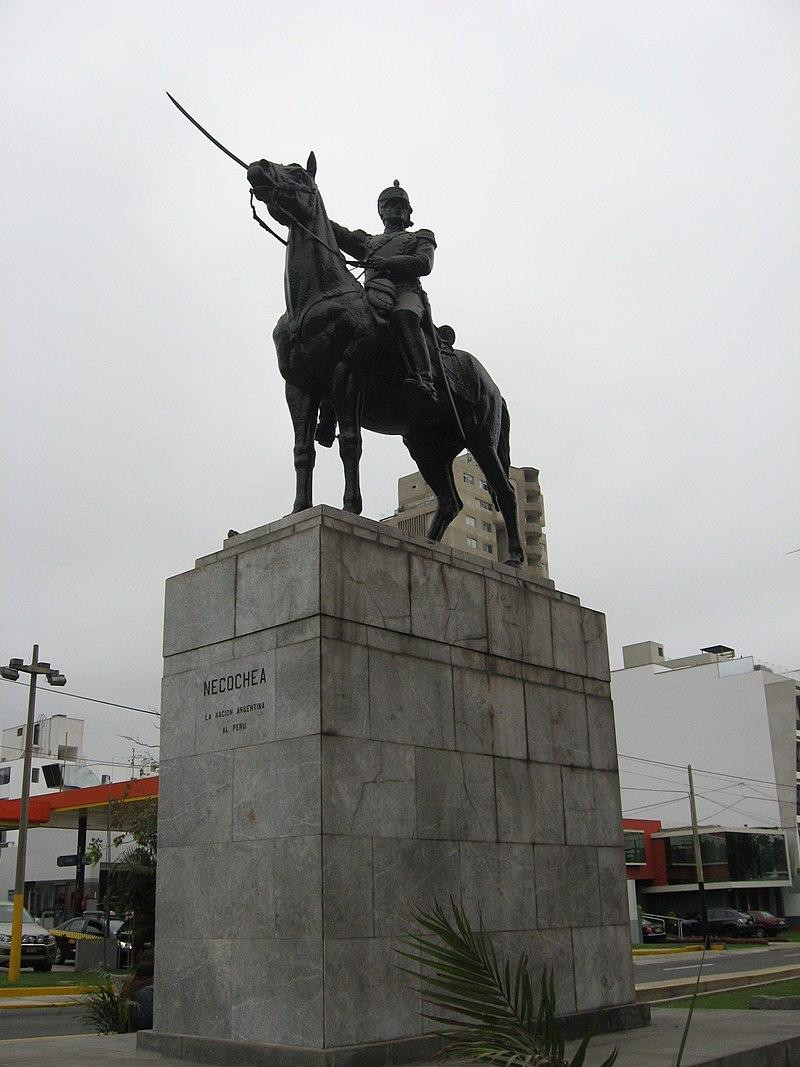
[{"x": 504, "y": 442}]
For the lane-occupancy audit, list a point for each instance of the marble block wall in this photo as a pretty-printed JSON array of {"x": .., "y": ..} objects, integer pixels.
[{"x": 354, "y": 722}]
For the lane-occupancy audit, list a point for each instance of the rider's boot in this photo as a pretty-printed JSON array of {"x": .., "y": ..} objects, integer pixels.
[
  {"x": 409, "y": 332},
  {"x": 326, "y": 424}
]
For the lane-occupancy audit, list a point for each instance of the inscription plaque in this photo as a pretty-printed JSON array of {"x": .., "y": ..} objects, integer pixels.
[{"x": 235, "y": 703}]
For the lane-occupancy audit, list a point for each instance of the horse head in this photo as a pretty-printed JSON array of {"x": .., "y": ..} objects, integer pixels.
[{"x": 288, "y": 190}]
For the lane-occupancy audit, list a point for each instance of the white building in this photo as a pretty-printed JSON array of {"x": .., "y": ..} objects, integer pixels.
[
  {"x": 736, "y": 722},
  {"x": 57, "y": 738},
  {"x": 57, "y": 741}
]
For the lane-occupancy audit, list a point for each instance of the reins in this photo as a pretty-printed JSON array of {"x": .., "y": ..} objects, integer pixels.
[{"x": 313, "y": 236}]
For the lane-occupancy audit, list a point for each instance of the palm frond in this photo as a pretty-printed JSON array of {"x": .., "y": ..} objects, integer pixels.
[{"x": 486, "y": 1010}]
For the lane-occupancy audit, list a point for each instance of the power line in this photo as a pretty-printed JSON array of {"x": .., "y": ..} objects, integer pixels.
[
  {"x": 94, "y": 700},
  {"x": 716, "y": 774},
  {"x": 719, "y": 809},
  {"x": 644, "y": 789},
  {"x": 85, "y": 761},
  {"x": 658, "y": 804}
]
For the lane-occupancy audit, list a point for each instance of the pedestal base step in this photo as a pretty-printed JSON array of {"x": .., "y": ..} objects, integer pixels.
[{"x": 408, "y": 1050}]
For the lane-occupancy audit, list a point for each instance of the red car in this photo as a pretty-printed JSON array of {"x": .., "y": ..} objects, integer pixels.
[{"x": 769, "y": 925}]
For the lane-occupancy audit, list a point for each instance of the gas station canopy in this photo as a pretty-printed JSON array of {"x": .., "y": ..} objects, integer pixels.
[{"x": 62, "y": 810}]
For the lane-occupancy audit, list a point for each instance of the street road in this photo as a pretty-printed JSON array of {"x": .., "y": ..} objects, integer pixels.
[
  {"x": 38, "y": 1022},
  {"x": 732, "y": 961}
]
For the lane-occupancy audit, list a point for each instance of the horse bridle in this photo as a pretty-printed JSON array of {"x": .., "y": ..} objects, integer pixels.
[{"x": 296, "y": 222}]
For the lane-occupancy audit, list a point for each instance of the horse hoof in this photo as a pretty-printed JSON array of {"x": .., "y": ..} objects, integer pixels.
[
  {"x": 354, "y": 507},
  {"x": 302, "y": 505}
]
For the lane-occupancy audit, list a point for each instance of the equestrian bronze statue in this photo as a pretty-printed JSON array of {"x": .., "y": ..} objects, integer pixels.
[
  {"x": 352, "y": 354},
  {"x": 368, "y": 356}
]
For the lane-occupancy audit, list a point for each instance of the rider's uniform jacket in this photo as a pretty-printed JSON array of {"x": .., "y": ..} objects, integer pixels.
[{"x": 412, "y": 258}]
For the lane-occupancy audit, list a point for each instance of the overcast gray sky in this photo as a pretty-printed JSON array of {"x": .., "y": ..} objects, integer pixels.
[{"x": 614, "y": 191}]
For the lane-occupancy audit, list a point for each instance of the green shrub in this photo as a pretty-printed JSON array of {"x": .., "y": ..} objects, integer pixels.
[{"x": 106, "y": 1010}]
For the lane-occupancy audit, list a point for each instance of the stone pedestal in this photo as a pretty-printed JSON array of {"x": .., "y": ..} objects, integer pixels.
[{"x": 353, "y": 723}]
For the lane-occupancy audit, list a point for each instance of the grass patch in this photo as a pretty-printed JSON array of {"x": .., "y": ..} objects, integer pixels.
[
  {"x": 737, "y": 998},
  {"x": 30, "y": 979}
]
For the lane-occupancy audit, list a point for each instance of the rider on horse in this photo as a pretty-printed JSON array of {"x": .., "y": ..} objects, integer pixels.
[{"x": 396, "y": 260}]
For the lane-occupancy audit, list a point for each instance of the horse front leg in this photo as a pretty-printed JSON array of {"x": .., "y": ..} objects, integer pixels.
[
  {"x": 303, "y": 410},
  {"x": 347, "y": 396}
]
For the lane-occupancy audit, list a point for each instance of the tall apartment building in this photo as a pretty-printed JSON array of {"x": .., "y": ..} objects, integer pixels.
[
  {"x": 737, "y": 722},
  {"x": 479, "y": 529}
]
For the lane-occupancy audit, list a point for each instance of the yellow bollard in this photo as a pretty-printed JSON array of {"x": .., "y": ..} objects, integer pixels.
[{"x": 15, "y": 960}]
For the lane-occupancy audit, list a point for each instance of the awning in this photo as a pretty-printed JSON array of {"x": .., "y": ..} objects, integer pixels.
[{"x": 62, "y": 809}]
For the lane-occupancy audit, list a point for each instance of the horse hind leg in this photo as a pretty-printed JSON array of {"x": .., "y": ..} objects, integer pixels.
[
  {"x": 436, "y": 467},
  {"x": 502, "y": 491}
]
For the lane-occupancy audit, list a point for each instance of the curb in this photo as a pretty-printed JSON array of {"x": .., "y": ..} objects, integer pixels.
[
  {"x": 44, "y": 991},
  {"x": 672, "y": 949},
  {"x": 18, "y": 1006},
  {"x": 652, "y": 992}
]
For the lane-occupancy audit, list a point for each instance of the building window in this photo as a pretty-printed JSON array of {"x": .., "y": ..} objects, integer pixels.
[
  {"x": 634, "y": 847},
  {"x": 36, "y": 734},
  {"x": 67, "y": 752},
  {"x": 5, "y": 775},
  {"x": 486, "y": 507},
  {"x": 34, "y": 774},
  {"x": 487, "y": 548},
  {"x": 19, "y": 731},
  {"x": 485, "y": 486},
  {"x": 469, "y": 479},
  {"x": 487, "y": 526},
  {"x": 728, "y": 856},
  {"x": 471, "y": 542},
  {"x": 469, "y": 520}
]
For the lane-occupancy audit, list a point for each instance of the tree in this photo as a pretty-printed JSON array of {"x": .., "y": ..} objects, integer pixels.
[{"x": 132, "y": 877}]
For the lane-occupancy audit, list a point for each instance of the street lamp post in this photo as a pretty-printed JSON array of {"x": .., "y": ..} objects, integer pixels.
[{"x": 54, "y": 677}]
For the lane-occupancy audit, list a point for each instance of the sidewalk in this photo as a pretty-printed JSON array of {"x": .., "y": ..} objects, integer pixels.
[
  {"x": 718, "y": 1038},
  {"x": 79, "y": 1050}
]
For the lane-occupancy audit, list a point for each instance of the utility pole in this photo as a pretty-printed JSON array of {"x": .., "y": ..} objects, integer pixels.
[
  {"x": 11, "y": 673},
  {"x": 698, "y": 860},
  {"x": 107, "y": 931}
]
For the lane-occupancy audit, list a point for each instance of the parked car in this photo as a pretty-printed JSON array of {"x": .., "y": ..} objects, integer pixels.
[
  {"x": 38, "y": 945},
  {"x": 73, "y": 930},
  {"x": 724, "y": 922},
  {"x": 767, "y": 924},
  {"x": 125, "y": 942},
  {"x": 653, "y": 929}
]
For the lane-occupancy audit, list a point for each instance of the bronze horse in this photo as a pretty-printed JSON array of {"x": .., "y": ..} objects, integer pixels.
[{"x": 340, "y": 364}]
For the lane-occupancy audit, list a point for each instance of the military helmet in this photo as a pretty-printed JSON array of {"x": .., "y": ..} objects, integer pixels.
[{"x": 394, "y": 192}]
